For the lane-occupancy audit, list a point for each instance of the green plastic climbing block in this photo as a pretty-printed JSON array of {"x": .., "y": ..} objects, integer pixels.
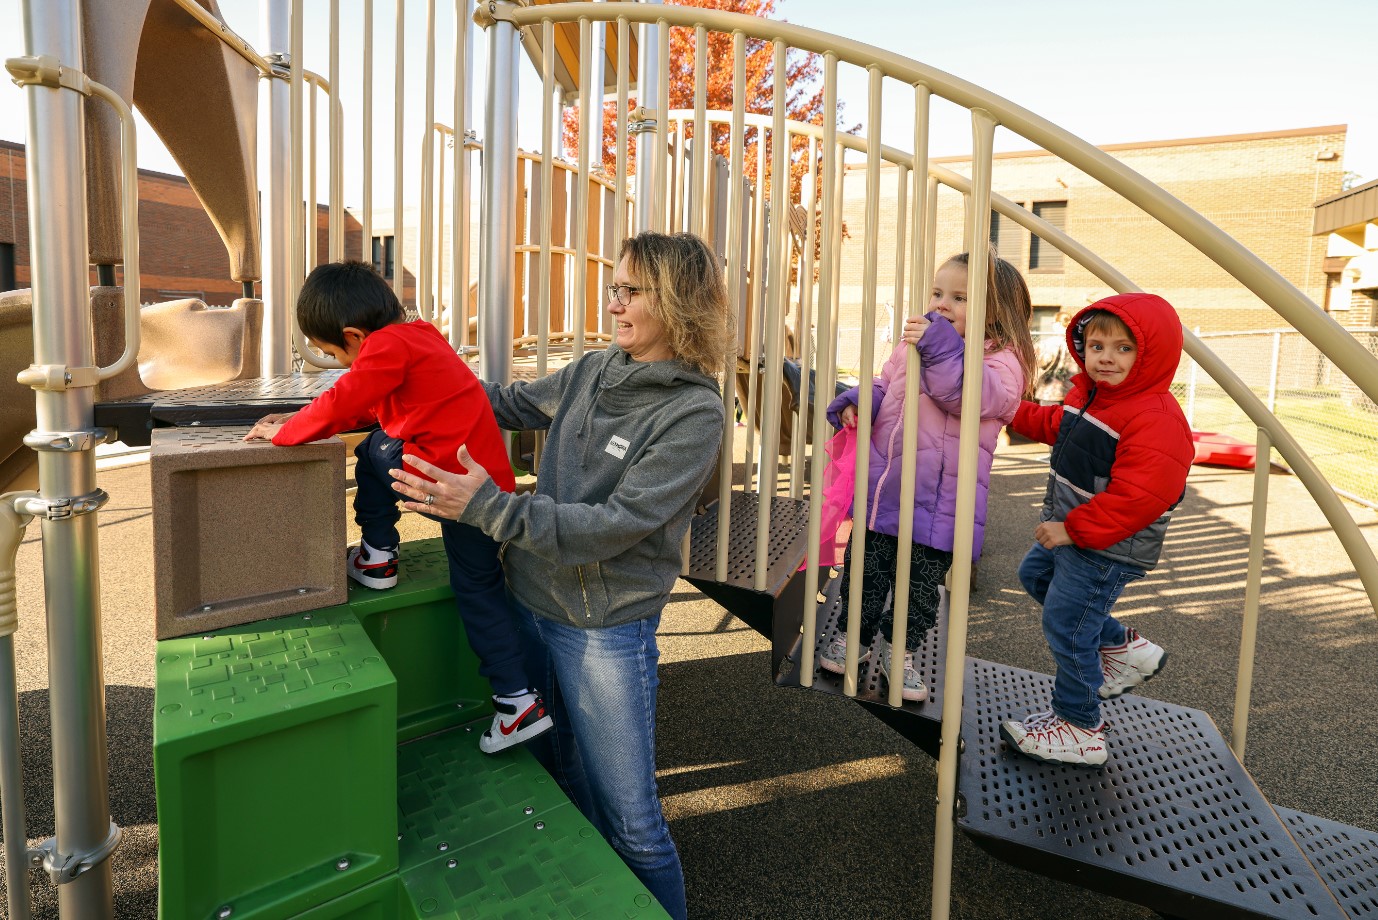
[
  {"x": 416, "y": 628},
  {"x": 383, "y": 900},
  {"x": 493, "y": 836},
  {"x": 275, "y": 767}
]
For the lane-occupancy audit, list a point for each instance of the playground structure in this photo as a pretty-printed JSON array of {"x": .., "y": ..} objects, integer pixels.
[{"x": 745, "y": 550}]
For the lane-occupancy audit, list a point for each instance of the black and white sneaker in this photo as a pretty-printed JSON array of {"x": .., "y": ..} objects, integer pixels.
[
  {"x": 518, "y": 719},
  {"x": 372, "y": 567}
]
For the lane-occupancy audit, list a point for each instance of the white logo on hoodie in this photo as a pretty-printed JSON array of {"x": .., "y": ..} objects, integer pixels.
[{"x": 617, "y": 447}]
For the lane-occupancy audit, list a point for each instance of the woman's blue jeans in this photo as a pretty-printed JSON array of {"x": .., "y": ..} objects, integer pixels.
[
  {"x": 1077, "y": 588},
  {"x": 600, "y": 685}
]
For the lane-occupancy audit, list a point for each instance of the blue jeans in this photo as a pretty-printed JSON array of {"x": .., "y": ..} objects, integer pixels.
[
  {"x": 600, "y": 685},
  {"x": 475, "y": 570},
  {"x": 1077, "y": 588}
]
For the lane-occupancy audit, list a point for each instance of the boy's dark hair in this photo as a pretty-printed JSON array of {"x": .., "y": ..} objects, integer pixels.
[
  {"x": 341, "y": 294},
  {"x": 1106, "y": 323}
]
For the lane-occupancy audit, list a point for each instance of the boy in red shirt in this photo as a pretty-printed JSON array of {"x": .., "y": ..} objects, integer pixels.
[{"x": 405, "y": 377}]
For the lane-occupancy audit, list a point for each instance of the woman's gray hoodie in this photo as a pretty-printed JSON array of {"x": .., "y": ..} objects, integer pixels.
[{"x": 630, "y": 446}]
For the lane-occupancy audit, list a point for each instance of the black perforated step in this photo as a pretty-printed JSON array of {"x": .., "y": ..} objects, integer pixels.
[
  {"x": 775, "y": 611},
  {"x": 237, "y": 402},
  {"x": 1346, "y": 858},
  {"x": 1173, "y": 822},
  {"x": 921, "y": 723}
]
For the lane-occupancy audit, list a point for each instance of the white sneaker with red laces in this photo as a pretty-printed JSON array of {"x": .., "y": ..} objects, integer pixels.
[
  {"x": 1124, "y": 667},
  {"x": 372, "y": 567},
  {"x": 516, "y": 719},
  {"x": 1052, "y": 739}
]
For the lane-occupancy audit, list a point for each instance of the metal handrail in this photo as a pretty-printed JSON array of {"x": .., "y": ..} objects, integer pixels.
[{"x": 1213, "y": 242}]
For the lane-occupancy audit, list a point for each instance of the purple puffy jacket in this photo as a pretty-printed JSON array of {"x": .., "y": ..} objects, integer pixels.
[{"x": 939, "y": 418}]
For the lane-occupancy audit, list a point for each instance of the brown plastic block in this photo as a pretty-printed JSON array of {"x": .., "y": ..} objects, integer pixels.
[{"x": 242, "y": 530}]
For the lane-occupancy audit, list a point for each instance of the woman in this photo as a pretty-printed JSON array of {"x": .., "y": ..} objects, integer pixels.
[
  {"x": 1055, "y": 363},
  {"x": 592, "y": 554}
]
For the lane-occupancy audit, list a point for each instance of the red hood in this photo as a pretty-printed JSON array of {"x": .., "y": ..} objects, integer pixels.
[{"x": 1157, "y": 331}]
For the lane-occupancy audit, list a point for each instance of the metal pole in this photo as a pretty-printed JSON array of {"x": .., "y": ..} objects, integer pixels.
[
  {"x": 366, "y": 214},
  {"x": 1273, "y": 372},
  {"x": 650, "y": 134},
  {"x": 275, "y": 350},
  {"x": 459, "y": 231},
  {"x": 499, "y": 198},
  {"x": 71, "y": 572},
  {"x": 963, "y": 538},
  {"x": 1248, "y": 640},
  {"x": 425, "y": 231}
]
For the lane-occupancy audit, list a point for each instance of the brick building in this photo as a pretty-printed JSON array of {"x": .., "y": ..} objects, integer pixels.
[
  {"x": 180, "y": 252},
  {"x": 1259, "y": 188}
]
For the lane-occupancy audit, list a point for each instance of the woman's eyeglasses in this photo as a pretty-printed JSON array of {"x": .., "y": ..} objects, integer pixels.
[{"x": 622, "y": 293}]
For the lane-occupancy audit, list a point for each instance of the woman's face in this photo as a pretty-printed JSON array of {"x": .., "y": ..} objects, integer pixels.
[{"x": 636, "y": 331}]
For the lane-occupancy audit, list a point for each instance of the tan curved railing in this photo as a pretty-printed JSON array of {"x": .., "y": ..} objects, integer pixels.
[{"x": 988, "y": 111}]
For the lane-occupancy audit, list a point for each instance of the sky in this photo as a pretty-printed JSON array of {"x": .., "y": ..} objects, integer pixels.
[{"x": 1107, "y": 72}]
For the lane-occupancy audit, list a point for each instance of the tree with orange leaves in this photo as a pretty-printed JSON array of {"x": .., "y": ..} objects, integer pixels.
[{"x": 804, "y": 93}]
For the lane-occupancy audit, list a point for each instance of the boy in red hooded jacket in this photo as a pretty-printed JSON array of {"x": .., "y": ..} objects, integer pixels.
[{"x": 1121, "y": 453}]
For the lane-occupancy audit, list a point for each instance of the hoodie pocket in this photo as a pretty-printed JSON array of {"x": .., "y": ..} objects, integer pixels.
[{"x": 593, "y": 595}]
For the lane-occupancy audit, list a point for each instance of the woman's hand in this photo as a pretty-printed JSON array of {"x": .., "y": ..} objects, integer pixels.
[
  {"x": 269, "y": 425},
  {"x": 847, "y": 417},
  {"x": 448, "y": 495},
  {"x": 914, "y": 328}
]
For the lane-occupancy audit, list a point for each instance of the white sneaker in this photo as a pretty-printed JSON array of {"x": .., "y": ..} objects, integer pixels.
[
  {"x": 834, "y": 656},
  {"x": 372, "y": 567},
  {"x": 517, "y": 719},
  {"x": 1124, "y": 667},
  {"x": 914, "y": 690},
  {"x": 1052, "y": 739}
]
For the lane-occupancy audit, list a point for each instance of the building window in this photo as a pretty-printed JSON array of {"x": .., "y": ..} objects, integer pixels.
[
  {"x": 1004, "y": 237},
  {"x": 7, "y": 281},
  {"x": 1043, "y": 256},
  {"x": 382, "y": 255}
]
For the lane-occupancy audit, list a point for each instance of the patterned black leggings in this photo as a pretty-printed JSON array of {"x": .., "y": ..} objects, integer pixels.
[{"x": 927, "y": 568}]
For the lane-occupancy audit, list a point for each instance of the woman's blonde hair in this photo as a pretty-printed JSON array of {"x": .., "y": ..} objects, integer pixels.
[
  {"x": 688, "y": 297},
  {"x": 1009, "y": 308}
]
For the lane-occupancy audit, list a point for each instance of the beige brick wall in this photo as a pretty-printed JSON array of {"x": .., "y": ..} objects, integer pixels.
[{"x": 1258, "y": 188}]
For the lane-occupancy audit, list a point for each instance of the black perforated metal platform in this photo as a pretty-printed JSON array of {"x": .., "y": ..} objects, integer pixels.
[
  {"x": 1173, "y": 822},
  {"x": 920, "y": 722},
  {"x": 237, "y": 402},
  {"x": 776, "y": 611},
  {"x": 789, "y": 523},
  {"x": 1346, "y": 858}
]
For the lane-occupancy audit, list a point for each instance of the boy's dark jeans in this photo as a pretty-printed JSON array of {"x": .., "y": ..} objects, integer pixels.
[
  {"x": 1077, "y": 588},
  {"x": 475, "y": 572}
]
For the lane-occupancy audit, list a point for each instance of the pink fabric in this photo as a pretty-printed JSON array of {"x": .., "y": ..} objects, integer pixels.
[{"x": 839, "y": 481}]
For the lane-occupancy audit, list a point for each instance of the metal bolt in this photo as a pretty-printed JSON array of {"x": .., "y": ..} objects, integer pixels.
[
  {"x": 301, "y": 590},
  {"x": 528, "y": 810},
  {"x": 206, "y": 609},
  {"x": 451, "y": 863},
  {"x": 443, "y": 847},
  {"x": 342, "y": 863},
  {"x": 540, "y": 825},
  {"x": 224, "y": 912},
  {"x": 399, "y": 836},
  {"x": 308, "y": 616}
]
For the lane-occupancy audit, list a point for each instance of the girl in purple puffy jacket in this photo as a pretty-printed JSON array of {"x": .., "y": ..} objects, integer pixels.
[{"x": 1009, "y": 363}]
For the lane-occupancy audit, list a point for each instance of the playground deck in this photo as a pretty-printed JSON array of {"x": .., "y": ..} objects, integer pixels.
[{"x": 787, "y": 803}]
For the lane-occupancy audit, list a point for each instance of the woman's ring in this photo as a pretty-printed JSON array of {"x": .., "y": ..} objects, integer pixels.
[{"x": 430, "y": 499}]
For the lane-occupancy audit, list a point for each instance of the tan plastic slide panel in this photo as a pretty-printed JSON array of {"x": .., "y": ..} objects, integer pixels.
[
  {"x": 201, "y": 99},
  {"x": 18, "y": 464}
]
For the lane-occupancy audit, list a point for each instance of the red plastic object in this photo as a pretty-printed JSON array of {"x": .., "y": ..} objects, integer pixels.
[{"x": 1222, "y": 450}]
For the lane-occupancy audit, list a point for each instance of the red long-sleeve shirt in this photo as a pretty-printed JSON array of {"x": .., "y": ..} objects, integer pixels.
[{"x": 409, "y": 380}]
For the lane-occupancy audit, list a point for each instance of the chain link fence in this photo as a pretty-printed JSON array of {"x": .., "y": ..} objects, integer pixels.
[{"x": 1335, "y": 423}]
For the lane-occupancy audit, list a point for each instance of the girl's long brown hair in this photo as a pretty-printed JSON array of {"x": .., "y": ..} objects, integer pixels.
[{"x": 1009, "y": 310}]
